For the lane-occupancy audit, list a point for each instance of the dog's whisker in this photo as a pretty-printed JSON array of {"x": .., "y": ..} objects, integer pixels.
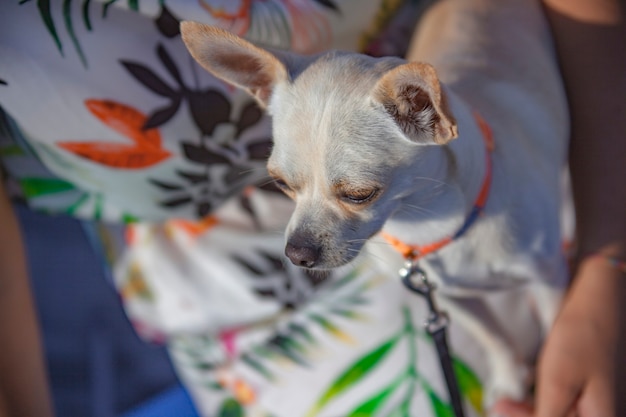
[
  {"x": 253, "y": 169},
  {"x": 356, "y": 240},
  {"x": 408, "y": 208},
  {"x": 439, "y": 182},
  {"x": 416, "y": 210},
  {"x": 373, "y": 255},
  {"x": 276, "y": 232},
  {"x": 267, "y": 181}
]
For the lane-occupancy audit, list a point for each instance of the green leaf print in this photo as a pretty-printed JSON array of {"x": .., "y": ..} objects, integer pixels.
[
  {"x": 69, "y": 25},
  {"x": 354, "y": 374},
  {"x": 289, "y": 348},
  {"x": 231, "y": 408},
  {"x": 105, "y": 7},
  {"x": 35, "y": 187},
  {"x": 349, "y": 314},
  {"x": 373, "y": 404},
  {"x": 469, "y": 384},
  {"x": 77, "y": 204},
  {"x": 86, "y": 17},
  {"x": 11, "y": 150},
  {"x": 46, "y": 16},
  {"x": 346, "y": 279},
  {"x": 440, "y": 408},
  {"x": 257, "y": 366},
  {"x": 129, "y": 218},
  {"x": 302, "y": 331},
  {"x": 331, "y": 328}
]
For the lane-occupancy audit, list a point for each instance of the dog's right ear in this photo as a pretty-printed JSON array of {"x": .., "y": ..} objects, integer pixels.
[
  {"x": 234, "y": 60},
  {"x": 413, "y": 97}
]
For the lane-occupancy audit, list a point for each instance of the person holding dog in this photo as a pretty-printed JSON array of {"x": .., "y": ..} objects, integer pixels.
[
  {"x": 581, "y": 369},
  {"x": 587, "y": 37}
]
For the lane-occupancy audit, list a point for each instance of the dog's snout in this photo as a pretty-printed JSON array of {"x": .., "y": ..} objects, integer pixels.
[{"x": 303, "y": 254}]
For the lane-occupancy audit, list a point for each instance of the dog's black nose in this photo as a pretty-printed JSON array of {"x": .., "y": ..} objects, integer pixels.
[{"x": 303, "y": 255}]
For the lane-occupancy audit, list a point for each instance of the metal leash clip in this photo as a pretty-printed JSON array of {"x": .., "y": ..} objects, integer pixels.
[{"x": 414, "y": 279}]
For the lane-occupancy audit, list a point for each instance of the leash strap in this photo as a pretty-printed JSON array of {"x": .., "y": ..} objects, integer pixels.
[
  {"x": 415, "y": 280},
  {"x": 441, "y": 341}
]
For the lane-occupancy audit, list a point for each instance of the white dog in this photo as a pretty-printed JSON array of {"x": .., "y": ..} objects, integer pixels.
[{"x": 456, "y": 157}]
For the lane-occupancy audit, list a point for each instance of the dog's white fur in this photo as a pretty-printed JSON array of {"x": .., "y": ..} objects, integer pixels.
[{"x": 364, "y": 144}]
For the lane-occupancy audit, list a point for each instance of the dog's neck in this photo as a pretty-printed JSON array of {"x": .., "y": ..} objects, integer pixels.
[{"x": 444, "y": 196}]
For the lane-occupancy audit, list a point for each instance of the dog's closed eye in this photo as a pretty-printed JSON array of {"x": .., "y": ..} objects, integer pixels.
[
  {"x": 281, "y": 184},
  {"x": 284, "y": 187},
  {"x": 359, "y": 196}
]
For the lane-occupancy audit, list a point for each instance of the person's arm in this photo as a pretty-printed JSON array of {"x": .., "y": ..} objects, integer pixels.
[
  {"x": 23, "y": 379},
  {"x": 584, "y": 349}
]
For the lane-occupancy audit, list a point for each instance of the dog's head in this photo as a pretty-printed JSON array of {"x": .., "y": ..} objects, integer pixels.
[{"x": 350, "y": 135}]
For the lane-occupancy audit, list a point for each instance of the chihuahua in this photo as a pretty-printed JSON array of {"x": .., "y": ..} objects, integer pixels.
[{"x": 455, "y": 157}]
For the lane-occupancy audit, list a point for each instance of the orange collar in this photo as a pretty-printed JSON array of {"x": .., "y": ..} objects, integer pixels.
[{"x": 415, "y": 252}]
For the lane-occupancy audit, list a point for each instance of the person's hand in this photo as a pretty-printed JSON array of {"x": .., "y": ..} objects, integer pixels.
[
  {"x": 578, "y": 370},
  {"x": 575, "y": 375}
]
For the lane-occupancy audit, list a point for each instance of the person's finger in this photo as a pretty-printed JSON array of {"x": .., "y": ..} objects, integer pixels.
[
  {"x": 510, "y": 408},
  {"x": 560, "y": 382},
  {"x": 556, "y": 400},
  {"x": 597, "y": 399}
]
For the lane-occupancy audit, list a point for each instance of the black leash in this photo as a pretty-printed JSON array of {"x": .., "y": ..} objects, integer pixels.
[{"x": 436, "y": 326}]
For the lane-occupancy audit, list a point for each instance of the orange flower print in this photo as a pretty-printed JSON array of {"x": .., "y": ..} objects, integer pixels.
[
  {"x": 145, "y": 150},
  {"x": 243, "y": 392},
  {"x": 195, "y": 228},
  {"x": 299, "y": 25},
  {"x": 238, "y": 16}
]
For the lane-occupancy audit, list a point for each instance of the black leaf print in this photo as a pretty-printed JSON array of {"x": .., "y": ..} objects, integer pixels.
[
  {"x": 167, "y": 23},
  {"x": 247, "y": 206},
  {"x": 162, "y": 116},
  {"x": 200, "y": 193},
  {"x": 177, "y": 202},
  {"x": 250, "y": 115},
  {"x": 204, "y": 209},
  {"x": 169, "y": 64},
  {"x": 193, "y": 178},
  {"x": 202, "y": 155},
  {"x": 149, "y": 79},
  {"x": 166, "y": 186},
  {"x": 204, "y": 188},
  {"x": 2, "y": 82},
  {"x": 253, "y": 269},
  {"x": 272, "y": 280},
  {"x": 236, "y": 174},
  {"x": 208, "y": 108},
  {"x": 260, "y": 151},
  {"x": 275, "y": 264}
]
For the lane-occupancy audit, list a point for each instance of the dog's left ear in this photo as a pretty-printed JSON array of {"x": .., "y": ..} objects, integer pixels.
[
  {"x": 412, "y": 95},
  {"x": 234, "y": 59}
]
